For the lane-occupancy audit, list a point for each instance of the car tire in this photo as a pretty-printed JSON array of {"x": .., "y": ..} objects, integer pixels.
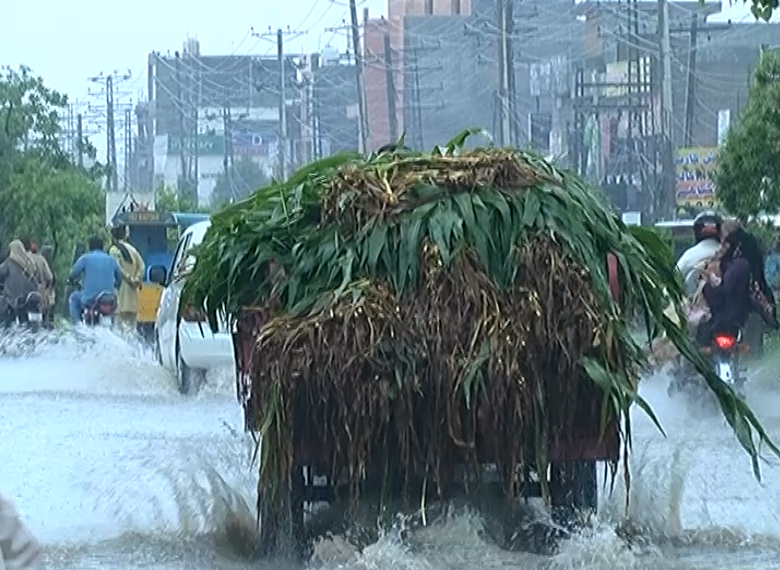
[{"x": 188, "y": 379}]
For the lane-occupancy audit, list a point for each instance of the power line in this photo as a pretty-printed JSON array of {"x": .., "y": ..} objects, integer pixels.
[
  {"x": 284, "y": 144},
  {"x": 109, "y": 80}
]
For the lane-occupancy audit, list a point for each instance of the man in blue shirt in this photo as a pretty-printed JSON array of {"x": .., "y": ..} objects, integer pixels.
[{"x": 99, "y": 272}]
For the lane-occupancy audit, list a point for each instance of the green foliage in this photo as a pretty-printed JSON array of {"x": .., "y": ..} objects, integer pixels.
[
  {"x": 242, "y": 179},
  {"x": 344, "y": 226},
  {"x": 761, "y": 9},
  {"x": 168, "y": 200},
  {"x": 748, "y": 171},
  {"x": 765, "y": 232},
  {"x": 44, "y": 195}
]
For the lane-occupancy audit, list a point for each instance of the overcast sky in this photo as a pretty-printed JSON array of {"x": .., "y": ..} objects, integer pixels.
[{"x": 67, "y": 42}]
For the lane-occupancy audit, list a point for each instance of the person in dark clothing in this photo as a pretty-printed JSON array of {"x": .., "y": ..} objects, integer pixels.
[
  {"x": 18, "y": 278},
  {"x": 729, "y": 295}
]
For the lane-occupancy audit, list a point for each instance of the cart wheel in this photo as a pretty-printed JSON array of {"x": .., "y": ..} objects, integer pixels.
[
  {"x": 284, "y": 534},
  {"x": 573, "y": 492}
]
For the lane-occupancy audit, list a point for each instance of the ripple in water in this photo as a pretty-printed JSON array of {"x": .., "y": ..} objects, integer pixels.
[{"x": 112, "y": 468}]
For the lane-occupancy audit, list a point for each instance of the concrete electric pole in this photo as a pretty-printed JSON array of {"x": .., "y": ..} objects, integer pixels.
[
  {"x": 361, "y": 88},
  {"x": 284, "y": 143},
  {"x": 389, "y": 72},
  {"x": 666, "y": 61},
  {"x": 503, "y": 78}
]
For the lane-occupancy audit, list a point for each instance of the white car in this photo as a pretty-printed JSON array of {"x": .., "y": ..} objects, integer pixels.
[{"x": 188, "y": 348}]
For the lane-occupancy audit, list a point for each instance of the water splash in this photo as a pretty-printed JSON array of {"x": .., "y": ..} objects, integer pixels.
[{"x": 112, "y": 468}]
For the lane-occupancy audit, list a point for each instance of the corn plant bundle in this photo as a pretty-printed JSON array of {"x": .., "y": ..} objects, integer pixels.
[{"x": 431, "y": 309}]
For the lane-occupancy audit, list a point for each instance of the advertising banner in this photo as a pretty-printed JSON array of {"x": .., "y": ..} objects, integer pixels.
[{"x": 694, "y": 168}]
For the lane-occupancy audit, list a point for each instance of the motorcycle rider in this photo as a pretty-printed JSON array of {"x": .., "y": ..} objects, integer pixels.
[
  {"x": 44, "y": 272},
  {"x": 99, "y": 272},
  {"x": 18, "y": 278},
  {"x": 707, "y": 228},
  {"x": 729, "y": 297}
]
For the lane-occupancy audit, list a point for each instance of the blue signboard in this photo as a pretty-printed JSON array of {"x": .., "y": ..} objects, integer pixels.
[{"x": 253, "y": 143}]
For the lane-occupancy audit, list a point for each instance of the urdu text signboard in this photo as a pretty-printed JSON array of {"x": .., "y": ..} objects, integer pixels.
[{"x": 694, "y": 168}]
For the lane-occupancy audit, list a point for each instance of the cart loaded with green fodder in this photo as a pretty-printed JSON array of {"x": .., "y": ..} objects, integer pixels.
[{"x": 410, "y": 325}]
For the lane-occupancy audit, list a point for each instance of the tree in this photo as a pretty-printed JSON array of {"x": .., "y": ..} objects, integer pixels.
[
  {"x": 761, "y": 9},
  {"x": 167, "y": 199},
  {"x": 747, "y": 177},
  {"x": 242, "y": 179},
  {"x": 43, "y": 193}
]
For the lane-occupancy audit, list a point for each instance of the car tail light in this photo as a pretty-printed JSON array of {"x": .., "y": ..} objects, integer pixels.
[
  {"x": 192, "y": 315},
  {"x": 724, "y": 342}
]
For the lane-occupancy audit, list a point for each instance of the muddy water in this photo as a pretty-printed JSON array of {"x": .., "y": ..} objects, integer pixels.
[{"x": 112, "y": 469}]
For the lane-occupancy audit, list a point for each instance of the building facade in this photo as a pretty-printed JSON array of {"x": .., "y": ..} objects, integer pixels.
[{"x": 207, "y": 110}]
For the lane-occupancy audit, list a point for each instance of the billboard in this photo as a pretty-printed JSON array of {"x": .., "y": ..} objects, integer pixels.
[
  {"x": 208, "y": 144},
  {"x": 253, "y": 143},
  {"x": 694, "y": 168}
]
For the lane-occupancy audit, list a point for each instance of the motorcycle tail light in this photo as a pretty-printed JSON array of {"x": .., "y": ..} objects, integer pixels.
[{"x": 724, "y": 342}]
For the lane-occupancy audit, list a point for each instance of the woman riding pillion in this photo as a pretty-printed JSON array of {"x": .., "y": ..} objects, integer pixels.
[
  {"x": 18, "y": 278},
  {"x": 740, "y": 290}
]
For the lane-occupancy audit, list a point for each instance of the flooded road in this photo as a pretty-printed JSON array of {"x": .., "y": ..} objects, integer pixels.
[{"x": 112, "y": 469}]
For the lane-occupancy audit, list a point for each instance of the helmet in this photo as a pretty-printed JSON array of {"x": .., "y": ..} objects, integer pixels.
[{"x": 707, "y": 225}]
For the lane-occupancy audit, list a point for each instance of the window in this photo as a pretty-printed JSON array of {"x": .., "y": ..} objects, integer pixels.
[
  {"x": 177, "y": 265},
  {"x": 456, "y": 7},
  {"x": 429, "y": 7}
]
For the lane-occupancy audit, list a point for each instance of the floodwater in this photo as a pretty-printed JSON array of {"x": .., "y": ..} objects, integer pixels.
[{"x": 112, "y": 469}]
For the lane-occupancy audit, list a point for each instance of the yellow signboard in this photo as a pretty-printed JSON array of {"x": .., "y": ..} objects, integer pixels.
[
  {"x": 694, "y": 168},
  {"x": 144, "y": 217}
]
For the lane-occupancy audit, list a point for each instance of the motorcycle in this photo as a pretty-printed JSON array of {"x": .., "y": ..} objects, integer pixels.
[
  {"x": 28, "y": 312},
  {"x": 100, "y": 310},
  {"x": 723, "y": 353}
]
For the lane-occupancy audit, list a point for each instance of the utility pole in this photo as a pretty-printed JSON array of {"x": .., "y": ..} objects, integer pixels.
[
  {"x": 284, "y": 144},
  {"x": 418, "y": 138},
  {"x": 183, "y": 165},
  {"x": 666, "y": 60},
  {"x": 228, "y": 158},
  {"x": 80, "y": 140},
  {"x": 361, "y": 89},
  {"x": 389, "y": 80},
  {"x": 128, "y": 148},
  {"x": 353, "y": 49},
  {"x": 112, "y": 180},
  {"x": 228, "y": 162},
  {"x": 111, "y": 135},
  {"x": 151, "y": 86},
  {"x": 690, "y": 89},
  {"x": 503, "y": 79}
]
